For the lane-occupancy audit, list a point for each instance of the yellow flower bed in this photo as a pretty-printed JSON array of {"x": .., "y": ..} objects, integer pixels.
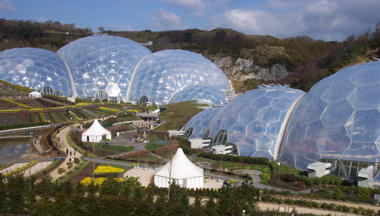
[
  {"x": 17, "y": 103},
  {"x": 81, "y": 104},
  {"x": 35, "y": 109},
  {"x": 108, "y": 170},
  {"x": 133, "y": 110},
  {"x": 109, "y": 109},
  {"x": 21, "y": 169},
  {"x": 97, "y": 181},
  {"x": 42, "y": 117}
]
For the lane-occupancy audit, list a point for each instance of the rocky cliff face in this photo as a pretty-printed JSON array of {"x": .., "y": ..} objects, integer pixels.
[{"x": 242, "y": 69}]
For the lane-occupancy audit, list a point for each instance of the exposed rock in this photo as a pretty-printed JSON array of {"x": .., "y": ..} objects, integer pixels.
[{"x": 243, "y": 69}]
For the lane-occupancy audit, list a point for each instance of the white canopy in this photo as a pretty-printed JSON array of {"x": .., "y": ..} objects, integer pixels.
[
  {"x": 95, "y": 133},
  {"x": 35, "y": 94},
  {"x": 180, "y": 167}
]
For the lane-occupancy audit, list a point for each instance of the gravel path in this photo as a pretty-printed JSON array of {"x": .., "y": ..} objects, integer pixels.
[
  {"x": 13, "y": 167},
  {"x": 300, "y": 210},
  {"x": 36, "y": 168}
]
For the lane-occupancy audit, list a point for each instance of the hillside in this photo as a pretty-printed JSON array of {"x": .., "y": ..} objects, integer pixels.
[{"x": 247, "y": 60}]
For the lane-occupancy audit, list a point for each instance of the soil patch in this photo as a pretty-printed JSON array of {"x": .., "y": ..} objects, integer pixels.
[{"x": 86, "y": 172}]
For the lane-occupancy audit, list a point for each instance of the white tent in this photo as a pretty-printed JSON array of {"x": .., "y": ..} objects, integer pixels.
[
  {"x": 180, "y": 170},
  {"x": 95, "y": 133},
  {"x": 35, "y": 94}
]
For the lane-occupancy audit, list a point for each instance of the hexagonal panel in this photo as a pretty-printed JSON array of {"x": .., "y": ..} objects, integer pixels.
[
  {"x": 365, "y": 97},
  {"x": 336, "y": 114},
  {"x": 101, "y": 83},
  {"x": 113, "y": 90}
]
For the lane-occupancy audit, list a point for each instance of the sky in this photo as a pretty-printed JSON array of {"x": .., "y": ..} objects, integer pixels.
[{"x": 320, "y": 19}]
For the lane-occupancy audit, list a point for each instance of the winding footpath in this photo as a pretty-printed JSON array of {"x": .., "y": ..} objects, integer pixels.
[{"x": 64, "y": 146}]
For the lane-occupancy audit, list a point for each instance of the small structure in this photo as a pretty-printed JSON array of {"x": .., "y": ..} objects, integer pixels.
[
  {"x": 365, "y": 177},
  {"x": 198, "y": 143},
  {"x": 71, "y": 99},
  {"x": 176, "y": 133},
  {"x": 318, "y": 169},
  {"x": 35, "y": 94},
  {"x": 95, "y": 133},
  {"x": 181, "y": 171},
  {"x": 222, "y": 149}
]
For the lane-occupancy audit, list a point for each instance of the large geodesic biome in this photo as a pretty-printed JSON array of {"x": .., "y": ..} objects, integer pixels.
[
  {"x": 252, "y": 121},
  {"x": 35, "y": 68},
  {"x": 103, "y": 66},
  {"x": 198, "y": 125},
  {"x": 169, "y": 75},
  {"x": 102, "y": 63},
  {"x": 339, "y": 118}
]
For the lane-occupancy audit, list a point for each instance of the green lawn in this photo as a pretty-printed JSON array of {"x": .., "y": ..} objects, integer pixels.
[{"x": 178, "y": 114}]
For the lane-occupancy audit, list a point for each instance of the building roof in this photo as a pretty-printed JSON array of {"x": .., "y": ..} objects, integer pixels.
[
  {"x": 180, "y": 167},
  {"x": 96, "y": 129},
  {"x": 366, "y": 172},
  {"x": 316, "y": 165}
]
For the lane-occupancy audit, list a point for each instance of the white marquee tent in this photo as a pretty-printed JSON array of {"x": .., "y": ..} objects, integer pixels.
[
  {"x": 95, "y": 133},
  {"x": 181, "y": 170}
]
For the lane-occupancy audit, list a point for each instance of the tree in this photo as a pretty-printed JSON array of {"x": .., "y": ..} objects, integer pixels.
[
  {"x": 143, "y": 100},
  {"x": 101, "y": 29}
]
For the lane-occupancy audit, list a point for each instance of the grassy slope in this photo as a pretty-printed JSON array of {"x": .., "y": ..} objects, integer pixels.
[{"x": 177, "y": 115}]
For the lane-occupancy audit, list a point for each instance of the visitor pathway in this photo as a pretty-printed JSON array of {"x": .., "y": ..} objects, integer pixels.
[{"x": 64, "y": 146}]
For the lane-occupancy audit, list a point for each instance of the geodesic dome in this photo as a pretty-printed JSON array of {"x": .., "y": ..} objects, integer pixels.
[
  {"x": 199, "y": 123},
  {"x": 165, "y": 74},
  {"x": 339, "y": 118},
  {"x": 102, "y": 63},
  {"x": 35, "y": 68},
  {"x": 253, "y": 120},
  {"x": 205, "y": 94}
]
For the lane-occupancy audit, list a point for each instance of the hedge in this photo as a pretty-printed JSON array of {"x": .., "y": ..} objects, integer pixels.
[
  {"x": 241, "y": 159},
  {"x": 7, "y": 127}
]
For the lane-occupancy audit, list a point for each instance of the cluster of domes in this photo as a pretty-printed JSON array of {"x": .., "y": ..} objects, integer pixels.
[
  {"x": 339, "y": 118},
  {"x": 110, "y": 66}
]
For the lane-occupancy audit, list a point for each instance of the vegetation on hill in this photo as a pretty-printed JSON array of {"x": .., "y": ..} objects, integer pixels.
[
  {"x": 48, "y": 35},
  {"x": 9, "y": 89},
  {"x": 178, "y": 114},
  {"x": 308, "y": 60}
]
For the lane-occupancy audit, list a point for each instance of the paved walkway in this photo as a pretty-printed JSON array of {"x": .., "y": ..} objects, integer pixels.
[
  {"x": 66, "y": 148},
  {"x": 36, "y": 168},
  {"x": 13, "y": 167}
]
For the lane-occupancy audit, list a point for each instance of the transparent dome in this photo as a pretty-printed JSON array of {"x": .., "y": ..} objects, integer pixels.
[
  {"x": 338, "y": 118},
  {"x": 253, "y": 120},
  {"x": 35, "y": 68},
  {"x": 103, "y": 63},
  {"x": 205, "y": 94},
  {"x": 165, "y": 74},
  {"x": 199, "y": 123}
]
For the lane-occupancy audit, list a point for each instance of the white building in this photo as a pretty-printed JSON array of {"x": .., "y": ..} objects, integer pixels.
[
  {"x": 176, "y": 133},
  {"x": 95, "y": 133},
  {"x": 181, "y": 171},
  {"x": 365, "y": 177},
  {"x": 198, "y": 143},
  {"x": 318, "y": 169},
  {"x": 35, "y": 94},
  {"x": 222, "y": 149}
]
